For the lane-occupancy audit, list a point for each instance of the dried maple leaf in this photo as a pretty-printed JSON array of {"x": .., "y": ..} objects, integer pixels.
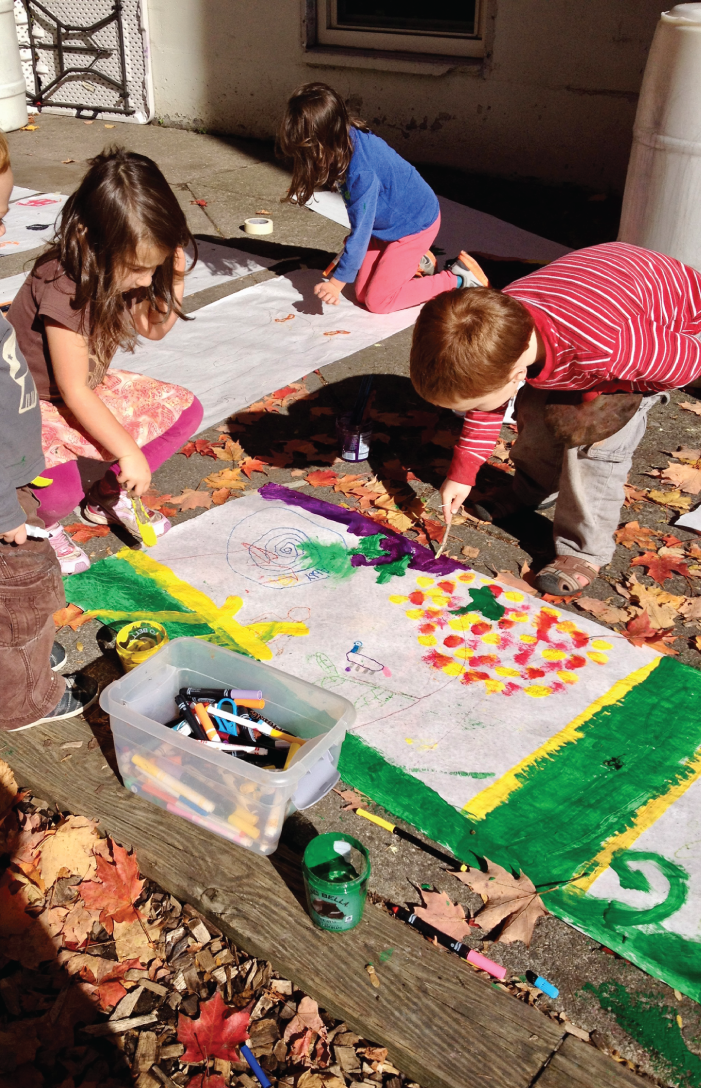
[
  {"x": 153, "y": 501},
  {"x": 8, "y": 789},
  {"x": 231, "y": 451},
  {"x": 640, "y": 632},
  {"x": 634, "y": 494},
  {"x": 253, "y": 464},
  {"x": 632, "y": 534},
  {"x": 352, "y": 799},
  {"x": 468, "y": 552},
  {"x": 191, "y": 499},
  {"x": 188, "y": 449},
  {"x": 428, "y": 530},
  {"x": 277, "y": 460},
  {"x": 78, "y": 924},
  {"x": 690, "y": 456},
  {"x": 220, "y": 496},
  {"x": 227, "y": 477},
  {"x": 690, "y": 608},
  {"x": 116, "y": 889},
  {"x": 395, "y": 470},
  {"x": 71, "y": 616},
  {"x": 662, "y": 565},
  {"x": 346, "y": 484},
  {"x": 689, "y": 407},
  {"x": 441, "y": 913},
  {"x": 697, "y": 643},
  {"x": 675, "y": 499},
  {"x": 510, "y": 900},
  {"x": 301, "y": 1030},
  {"x": 215, "y": 1034},
  {"x": 603, "y": 611},
  {"x": 446, "y": 439},
  {"x": 82, "y": 533},
  {"x": 389, "y": 419},
  {"x": 686, "y": 477},
  {"x": 301, "y": 445},
  {"x": 662, "y": 607},
  {"x": 70, "y": 848},
  {"x": 321, "y": 477},
  {"x": 517, "y": 583}
]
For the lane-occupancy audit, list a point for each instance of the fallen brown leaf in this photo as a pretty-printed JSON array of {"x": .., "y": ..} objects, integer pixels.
[
  {"x": 605, "y": 612},
  {"x": 469, "y": 553},
  {"x": 662, "y": 565},
  {"x": 632, "y": 534},
  {"x": 70, "y": 848},
  {"x": 251, "y": 465},
  {"x": 634, "y": 494},
  {"x": 71, "y": 616},
  {"x": 510, "y": 900},
  {"x": 440, "y": 911},
  {"x": 82, "y": 533},
  {"x": 661, "y": 606},
  {"x": 675, "y": 499},
  {"x": 352, "y": 799},
  {"x": 694, "y": 407},
  {"x": 690, "y": 608},
  {"x": 191, "y": 499},
  {"x": 226, "y": 477},
  {"x": 686, "y": 477},
  {"x": 321, "y": 477},
  {"x": 640, "y": 632},
  {"x": 220, "y": 496}
]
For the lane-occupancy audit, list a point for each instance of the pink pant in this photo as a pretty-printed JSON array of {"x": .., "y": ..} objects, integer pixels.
[
  {"x": 70, "y": 484},
  {"x": 386, "y": 283}
]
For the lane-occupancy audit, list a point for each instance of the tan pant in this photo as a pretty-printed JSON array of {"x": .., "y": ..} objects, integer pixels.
[
  {"x": 587, "y": 480},
  {"x": 31, "y": 591}
]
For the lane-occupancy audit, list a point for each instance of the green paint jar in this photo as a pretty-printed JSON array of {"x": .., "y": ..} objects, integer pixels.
[{"x": 336, "y": 870}]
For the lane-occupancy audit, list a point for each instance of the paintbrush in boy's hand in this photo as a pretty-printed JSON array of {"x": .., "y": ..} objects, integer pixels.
[{"x": 444, "y": 541}]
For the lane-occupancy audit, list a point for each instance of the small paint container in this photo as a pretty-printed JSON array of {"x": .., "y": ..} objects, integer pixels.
[
  {"x": 138, "y": 641},
  {"x": 354, "y": 442},
  {"x": 336, "y": 870}
]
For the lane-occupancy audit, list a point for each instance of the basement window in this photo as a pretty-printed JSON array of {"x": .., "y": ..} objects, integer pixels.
[{"x": 443, "y": 27}]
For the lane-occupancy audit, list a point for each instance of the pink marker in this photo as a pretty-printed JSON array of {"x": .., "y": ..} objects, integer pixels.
[{"x": 492, "y": 968}]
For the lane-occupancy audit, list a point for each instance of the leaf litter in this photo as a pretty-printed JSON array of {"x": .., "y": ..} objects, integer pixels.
[{"x": 130, "y": 985}]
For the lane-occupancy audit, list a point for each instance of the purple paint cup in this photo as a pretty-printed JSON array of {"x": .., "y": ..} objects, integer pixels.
[{"x": 354, "y": 442}]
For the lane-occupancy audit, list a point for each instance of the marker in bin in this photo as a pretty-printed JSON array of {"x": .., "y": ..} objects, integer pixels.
[
  {"x": 222, "y": 693},
  {"x": 171, "y": 783},
  {"x": 260, "y": 727},
  {"x": 184, "y": 708}
]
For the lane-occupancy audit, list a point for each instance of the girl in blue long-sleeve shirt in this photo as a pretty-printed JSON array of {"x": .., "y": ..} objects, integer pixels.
[{"x": 394, "y": 215}]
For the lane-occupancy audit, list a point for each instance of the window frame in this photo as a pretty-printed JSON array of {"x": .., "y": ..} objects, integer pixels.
[{"x": 392, "y": 41}]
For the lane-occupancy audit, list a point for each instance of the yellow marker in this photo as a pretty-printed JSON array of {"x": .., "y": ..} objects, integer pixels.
[
  {"x": 41, "y": 481},
  {"x": 236, "y": 819},
  {"x": 292, "y": 752},
  {"x": 414, "y": 839},
  {"x": 148, "y": 533},
  {"x": 172, "y": 783}
]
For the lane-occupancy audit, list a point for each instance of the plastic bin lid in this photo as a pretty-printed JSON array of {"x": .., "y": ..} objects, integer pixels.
[{"x": 683, "y": 13}]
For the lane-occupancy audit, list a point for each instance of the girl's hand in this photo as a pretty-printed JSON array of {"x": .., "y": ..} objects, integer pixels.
[
  {"x": 15, "y": 536},
  {"x": 135, "y": 475},
  {"x": 329, "y": 290},
  {"x": 453, "y": 496}
]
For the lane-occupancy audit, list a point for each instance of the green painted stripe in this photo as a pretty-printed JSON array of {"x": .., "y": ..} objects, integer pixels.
[
  {"x": 654, "y": 1025},
  {"x": 112, "y": 585}
]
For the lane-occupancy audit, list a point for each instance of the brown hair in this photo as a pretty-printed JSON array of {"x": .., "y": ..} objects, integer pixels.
[
  {"x": 315, "y": 135},
  {"x": 466, "y": 343},
  {"x": 122, "y": 202},
  {"x": 4, "y": 153}
]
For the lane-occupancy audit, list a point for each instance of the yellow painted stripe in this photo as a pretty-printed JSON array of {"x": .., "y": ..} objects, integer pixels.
[
  {"x": 498, "y": 792},
  {"x": 221, "y": 620},
  {"x": 645, "y": 817}
]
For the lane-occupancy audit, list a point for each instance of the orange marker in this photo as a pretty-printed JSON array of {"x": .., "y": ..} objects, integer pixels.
[
  {"x": 206, "y": 722},
  {"x": 252, "y": 704}
]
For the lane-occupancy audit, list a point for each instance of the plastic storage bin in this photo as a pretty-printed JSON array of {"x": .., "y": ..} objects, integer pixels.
[{"x": 237, "y": 800}]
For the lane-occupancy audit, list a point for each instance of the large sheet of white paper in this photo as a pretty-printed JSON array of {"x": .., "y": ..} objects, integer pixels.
[
  {"x": 30, "y": 222},
  {"x": 215, "y": 264},
  {"x": 463, "y": 228},
  {"x": 246, "y": 345}
]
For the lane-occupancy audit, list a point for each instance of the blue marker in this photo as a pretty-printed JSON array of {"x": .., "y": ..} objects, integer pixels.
[
  {"x": 545, "y": 986},
  {"x": 255, "y": 1068}
]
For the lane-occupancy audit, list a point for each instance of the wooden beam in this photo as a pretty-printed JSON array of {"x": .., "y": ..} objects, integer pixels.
[
  {"x": 577, "y": 1065},
  {"x": 442, "y": 1025}
]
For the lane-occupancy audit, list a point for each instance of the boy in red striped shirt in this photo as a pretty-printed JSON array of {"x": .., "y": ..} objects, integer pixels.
[{"x": 597, "y": 337}]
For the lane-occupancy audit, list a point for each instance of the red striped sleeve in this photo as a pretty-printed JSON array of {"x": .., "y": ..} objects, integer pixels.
[{"x": 479, "y": 436}]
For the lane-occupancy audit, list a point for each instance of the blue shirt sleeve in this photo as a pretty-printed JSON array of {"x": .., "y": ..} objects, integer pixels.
[{"x": 360, "y": 194}]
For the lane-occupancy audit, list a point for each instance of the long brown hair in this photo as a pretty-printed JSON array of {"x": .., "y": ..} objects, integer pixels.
[
  {"x": 122, "y": 202},
  {"x": 315, "y": 135}
]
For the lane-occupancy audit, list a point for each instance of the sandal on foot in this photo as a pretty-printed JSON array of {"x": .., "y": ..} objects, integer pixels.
[{"x": 559, "y": 578}]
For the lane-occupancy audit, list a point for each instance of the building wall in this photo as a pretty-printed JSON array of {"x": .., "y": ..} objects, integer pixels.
[{"x": 554, "y": 99}]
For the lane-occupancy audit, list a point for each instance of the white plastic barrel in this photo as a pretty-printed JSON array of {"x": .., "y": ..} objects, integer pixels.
[
  {"x": 13, "y": 92},
  {"x": 662, "y": 200}
]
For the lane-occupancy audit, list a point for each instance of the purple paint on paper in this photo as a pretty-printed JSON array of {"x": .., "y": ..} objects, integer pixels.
[{"x": 394, "y": 543}]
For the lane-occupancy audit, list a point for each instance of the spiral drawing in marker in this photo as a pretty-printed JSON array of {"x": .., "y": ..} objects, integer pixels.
[{"x": 279, "y": 556}]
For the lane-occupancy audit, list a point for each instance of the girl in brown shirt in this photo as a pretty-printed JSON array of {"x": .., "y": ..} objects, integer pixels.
[{"x": 114, "y": 272}]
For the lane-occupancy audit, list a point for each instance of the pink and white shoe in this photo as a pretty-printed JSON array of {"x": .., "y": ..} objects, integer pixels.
[
  {"x": 73, "y": 559},
  {"x": 122, "y": 513}
]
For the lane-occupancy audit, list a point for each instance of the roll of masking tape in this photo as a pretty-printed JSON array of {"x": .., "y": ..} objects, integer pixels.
[{"x": 260, "y": 224}]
